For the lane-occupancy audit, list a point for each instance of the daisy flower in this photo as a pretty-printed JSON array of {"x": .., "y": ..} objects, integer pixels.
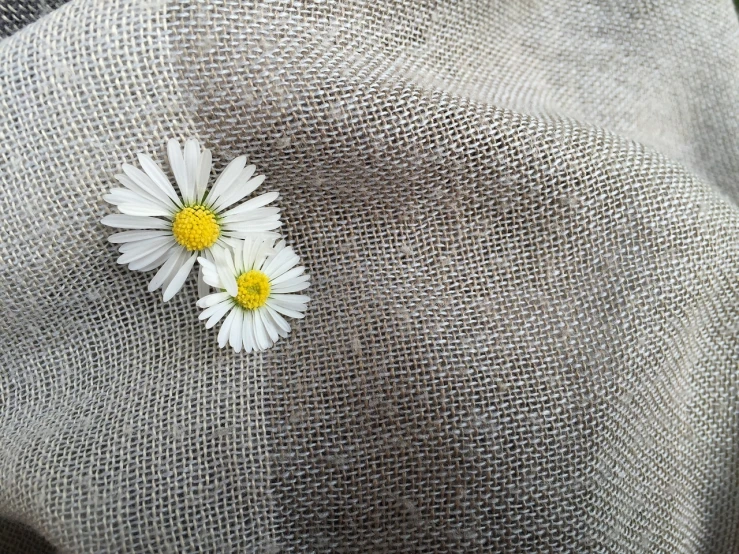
[
  {"x": 170, "y": 230},
  {"x": 256, "y": 287}
]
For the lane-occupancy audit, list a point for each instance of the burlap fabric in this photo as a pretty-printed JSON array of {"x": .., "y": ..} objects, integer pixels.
[
  {"x": 16, "y": 14},
  {"x": 521, "y": 221}
]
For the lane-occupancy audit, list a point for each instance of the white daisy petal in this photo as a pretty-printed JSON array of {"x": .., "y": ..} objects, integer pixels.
[
  {"x": 253, "y": 333},
  {"x": 235, "y": 336},
  {"x": 158, "y": 177},
  {"x": 252, "y": 204},
  {"x": 260, "y": 333},
  {"x": 225, "y": 332},
  {"x": 254, "y": 250},
  {"x": 203, "y": 287},
  {"x": 182, "y": 256},
  {"x": 179, "y": 279},
  {"x": 134, "y": 250},
  {"x": 279, "y": 246},
  {"x": 248, "y": 249},
  {"x": 302, "y": 278},
  {"x": 283, "y": 327},
  {"x": 227, "y": 242},
  {"x": 226, "y": 179},
  {"x": 203, "y": 174},
  {"x": 284, "y": 260},
  {"x": 141, "y": 209},
  {"x": 262, "y": 252},
  {"x": 293, "y": 301},
  {"x": 144, "y": 182},
  {"x": 129, "y": 184},
  {"x": 177, "y": 163},
  {"x": 247, "y": 336},
  {"x": 242, "y": 230},
  {"x": 140, "y": 263},
  {"x": 252, "y": 225},
  {"x": 169, "y": 268},
  {"x": 211, "y": 300},
  {"x": 249, "y": 170},
  {"x": 238, "y": 254},
  {"x": 295, "y": 285},
  {"x": 206, "y": 263},
  {"x": 246, "y": 229},
  {"x": 226, "y": 271},
  {"x": 288, "y": 275},
  {"x": 142, "y": 245},
  {"x": 267, "y": 214},
  {"x": 133, "y": 191},
  {"x": 212, "y": 280},
  {"x": 119, "y": 196},
  {"x": 123, "y": 221},
  {"x": 259, "y": 215},
  {"x": 124, "y": 193},
  {"x": 132, "y": 236},
  {"x": 192, "y": 159},
  {"x": 239, "y": 190},
  {"x": 156, "y": 262},
  {"x": 276, "y": 306},
  {"x": 214, "y": 314},
  {"x": 269, "y": 324}
]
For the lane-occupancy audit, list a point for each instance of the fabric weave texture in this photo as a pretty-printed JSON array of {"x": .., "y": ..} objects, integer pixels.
[
  {"x": 521, "y": 223},
  {"x": 15, "y": 15}
]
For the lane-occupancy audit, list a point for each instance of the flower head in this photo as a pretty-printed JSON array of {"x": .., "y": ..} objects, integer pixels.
[
  {"x": 256, "y": 288},
  {"x": 169, "y": 230}
]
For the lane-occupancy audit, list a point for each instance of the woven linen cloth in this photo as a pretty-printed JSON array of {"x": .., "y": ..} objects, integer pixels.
[
  {"x": 16, "y": 14},
  {"x": 521, "y": 223}
]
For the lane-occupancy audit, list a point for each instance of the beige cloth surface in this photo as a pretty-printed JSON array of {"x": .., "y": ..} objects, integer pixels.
[{"x": 521, "y": 222}]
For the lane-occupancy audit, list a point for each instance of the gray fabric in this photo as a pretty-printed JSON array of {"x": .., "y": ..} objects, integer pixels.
[
  {"x": 16, "y": 14},
  {"x": 521, "y": 222},
  {"x": 19, "y": 538}
]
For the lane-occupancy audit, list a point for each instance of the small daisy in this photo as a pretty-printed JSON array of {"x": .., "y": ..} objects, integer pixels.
[
  {"x": 256, "y": 288},
  {"x": 171, "y": 230}
]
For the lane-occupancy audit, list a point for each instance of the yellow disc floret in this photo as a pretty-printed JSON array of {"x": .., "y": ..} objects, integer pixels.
[
  {"x": 253, "y": 289},
  {"x": 195, "y": 228}
]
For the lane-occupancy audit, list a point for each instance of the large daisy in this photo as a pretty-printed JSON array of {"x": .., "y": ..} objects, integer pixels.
[
  {"x": 169, "y": 230},
  {"x": 256, "y": 288}
]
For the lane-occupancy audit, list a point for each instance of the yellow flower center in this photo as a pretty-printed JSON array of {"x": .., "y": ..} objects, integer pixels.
[
  {"x": 196, "y": 228},
  {"x": 253, "y": 289}
]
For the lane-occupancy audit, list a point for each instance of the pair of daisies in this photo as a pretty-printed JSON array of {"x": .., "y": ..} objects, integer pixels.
[{"x": 255, "y": 274}]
